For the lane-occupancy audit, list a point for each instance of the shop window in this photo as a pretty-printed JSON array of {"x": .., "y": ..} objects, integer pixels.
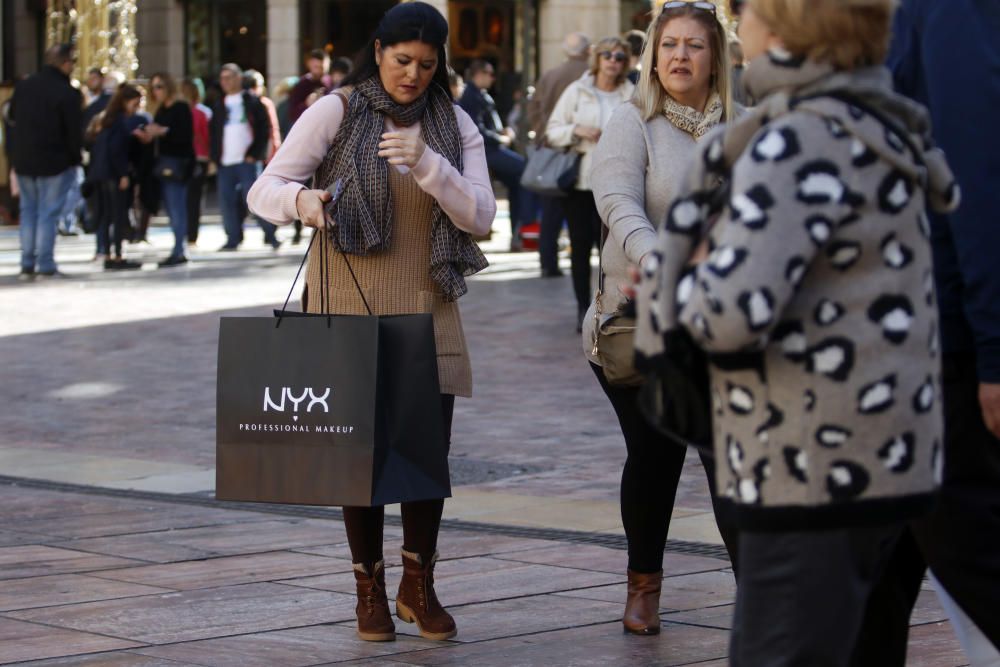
[
  {"x": 224, "y": 31},
  {"x": 339, "y": 27}
]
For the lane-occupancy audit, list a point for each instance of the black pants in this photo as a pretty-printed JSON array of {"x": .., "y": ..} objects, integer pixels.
[
  {"x": 649, "y": 483},
  {"x": 959, "y": 539},
  {"x": 195, "y": 188},
  {"x": 584, "y": 234},
  {"x": 800, "y": 596},
  {"x": 114, "y": 214},
  {"x": 548, "y": 234},
  {"x": 421, "y": 519}
]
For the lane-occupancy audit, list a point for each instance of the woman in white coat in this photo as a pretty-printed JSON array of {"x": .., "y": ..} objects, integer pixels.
[{"x": 581, "y": 114}]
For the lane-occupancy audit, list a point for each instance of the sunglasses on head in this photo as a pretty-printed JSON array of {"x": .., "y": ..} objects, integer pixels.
[
  {"x": 617, "y": 56},
  {"x": 679, "y": 4}
]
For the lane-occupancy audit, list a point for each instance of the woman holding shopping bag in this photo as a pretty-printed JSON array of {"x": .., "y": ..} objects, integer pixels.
[{"x": 416, "y": 189}]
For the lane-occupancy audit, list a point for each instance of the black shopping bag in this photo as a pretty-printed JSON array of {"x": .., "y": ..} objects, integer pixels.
[{"x": 329, "y": 410}]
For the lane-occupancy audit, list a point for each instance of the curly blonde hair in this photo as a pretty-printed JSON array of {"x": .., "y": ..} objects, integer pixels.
[{"x": 846, "y": 34}]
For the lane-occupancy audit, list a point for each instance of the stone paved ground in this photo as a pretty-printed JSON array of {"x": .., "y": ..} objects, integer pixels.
[{"x": 113, "y": 553}]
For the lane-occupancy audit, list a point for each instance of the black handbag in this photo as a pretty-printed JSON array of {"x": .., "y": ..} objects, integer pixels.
[
  {"x": 550, "y": 171},
  {"x": 172, "y": 168},
  {"x": 676, "y": 396}
]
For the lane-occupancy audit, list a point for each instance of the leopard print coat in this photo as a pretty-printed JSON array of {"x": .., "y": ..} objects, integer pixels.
[{"x": 816, "y": 303}]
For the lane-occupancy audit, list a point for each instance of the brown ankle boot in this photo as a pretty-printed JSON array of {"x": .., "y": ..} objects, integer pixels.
[
  {"x": 374, "y": 620},
  {"x": 642, "y": 607},
  {"x": 417, "y": 601}
]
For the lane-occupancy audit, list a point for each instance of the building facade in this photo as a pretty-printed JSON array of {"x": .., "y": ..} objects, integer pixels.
[{"x": 194, "y": 37}]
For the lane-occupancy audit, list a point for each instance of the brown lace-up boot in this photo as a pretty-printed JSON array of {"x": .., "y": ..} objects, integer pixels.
[
  {"x": 374, "y": 620},
  {"x": 417, "y": 602},
  {"x": 642, "y": 607}
]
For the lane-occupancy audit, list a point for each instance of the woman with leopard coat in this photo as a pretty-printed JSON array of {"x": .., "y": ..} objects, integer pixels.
[{"x": 810, "y": 287}]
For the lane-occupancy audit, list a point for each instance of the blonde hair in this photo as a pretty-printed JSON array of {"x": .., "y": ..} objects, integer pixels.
[
  {"x": 169, "y": 88},
  {"x": 610, "y": 44},
  {"x": 843, "y": 33},
  {"x": 650, "y": 94}
]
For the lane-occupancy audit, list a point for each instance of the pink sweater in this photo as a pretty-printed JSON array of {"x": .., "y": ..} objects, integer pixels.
[{"x": 466, "y": 197}]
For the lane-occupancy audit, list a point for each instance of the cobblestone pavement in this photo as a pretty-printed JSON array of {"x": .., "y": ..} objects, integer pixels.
[{"x": 112, "y": 550}]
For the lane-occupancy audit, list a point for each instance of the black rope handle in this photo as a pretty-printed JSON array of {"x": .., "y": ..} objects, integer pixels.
[
  {"x": 295, "y": 280},
  {"x": 336, "y": 244},
  {"x": 324, "y": 264}
]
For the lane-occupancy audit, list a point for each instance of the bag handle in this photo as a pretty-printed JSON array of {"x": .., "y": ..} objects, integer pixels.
[{"x": 328, "y": 230}]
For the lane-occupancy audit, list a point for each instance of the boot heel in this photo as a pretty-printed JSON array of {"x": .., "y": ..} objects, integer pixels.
[
  {"x": 404, "y": 614},
  {"x": 417, "y": 602}
]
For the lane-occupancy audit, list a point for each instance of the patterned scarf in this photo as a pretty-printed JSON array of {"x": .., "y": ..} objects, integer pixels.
[
  {"x": 364, "y": 210},
  {"x": 693, "y": 122}
]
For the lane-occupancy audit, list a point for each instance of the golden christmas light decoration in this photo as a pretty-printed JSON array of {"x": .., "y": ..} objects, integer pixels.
[{"x": 103, "y": 32}]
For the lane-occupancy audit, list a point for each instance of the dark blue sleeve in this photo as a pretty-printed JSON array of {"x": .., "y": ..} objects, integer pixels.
[
  {"x": 947, "y": 56},
  {"x": 474, "y": 105}
]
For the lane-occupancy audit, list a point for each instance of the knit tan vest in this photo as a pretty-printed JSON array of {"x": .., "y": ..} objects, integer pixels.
[{"x": 398, "y": 282}]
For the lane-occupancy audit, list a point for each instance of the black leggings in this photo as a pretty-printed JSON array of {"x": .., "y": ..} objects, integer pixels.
[
  {"x": 584, "y": 233},
  {"x": 114, "y": 214},
  {"x": 421, "y": 519},
  {"x": 649, "y": 483}
]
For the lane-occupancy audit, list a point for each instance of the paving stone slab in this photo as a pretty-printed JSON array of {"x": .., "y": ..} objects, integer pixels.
[
  {"x": 480, "y": 579},
  {"x": 598, "y": 645},
  {"x": 202, "y": 614},
  {"x": 137, "y": 519},
  {"x": 720, "y": 617},
  {"x": 522, "y": 616},
  {"x": 28, "y": 641},
  {"x": 605, "y": 559},
  {"x": 230, "y": 570},
  {"x": 62, "y": 589},
  {"x": 461, "y": 544},
  {"x": 22, "y": 503},
  {"x": 116, "y": 659},
  {"x": 297, "y": 647},
  {"x": 11, "y": 538},
  {"x": 229, "y": 540},
  {"x": 689, "y": 591},
  {"x": 934, "y": 645},
  {"x": 927, "y": 609},
  {"x": 38, "y": 560}
]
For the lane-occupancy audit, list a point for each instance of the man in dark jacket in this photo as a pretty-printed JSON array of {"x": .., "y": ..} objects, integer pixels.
[
  {"x": 46, "y": 141},
  {"x": 505, "y": 164},
  {"x": 240, "y": 130},
  {"x": 549, "y": 88},
  {"x": 944, "y": 55},
  {"x": 316, "y": 81}
]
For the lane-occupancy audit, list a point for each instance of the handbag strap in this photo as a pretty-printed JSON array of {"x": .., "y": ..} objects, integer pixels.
[{"x": 600, "y": 270}]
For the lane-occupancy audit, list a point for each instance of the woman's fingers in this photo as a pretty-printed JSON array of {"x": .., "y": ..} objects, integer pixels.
[
  {"x": 310, "y": 206},
  {"x": 401, "y": 148}
]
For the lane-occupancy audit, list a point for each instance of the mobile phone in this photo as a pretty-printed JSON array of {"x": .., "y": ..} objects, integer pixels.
[{"x": 335, "y": 189}]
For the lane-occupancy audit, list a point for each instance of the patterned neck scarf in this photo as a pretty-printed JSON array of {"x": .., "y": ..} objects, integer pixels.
[
  {"x": 364, "y": 210},
  {"x": 693, "y": 122}
]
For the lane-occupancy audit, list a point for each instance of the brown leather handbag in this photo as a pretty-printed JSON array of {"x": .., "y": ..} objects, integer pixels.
[{"x": 614, "y": 340}]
